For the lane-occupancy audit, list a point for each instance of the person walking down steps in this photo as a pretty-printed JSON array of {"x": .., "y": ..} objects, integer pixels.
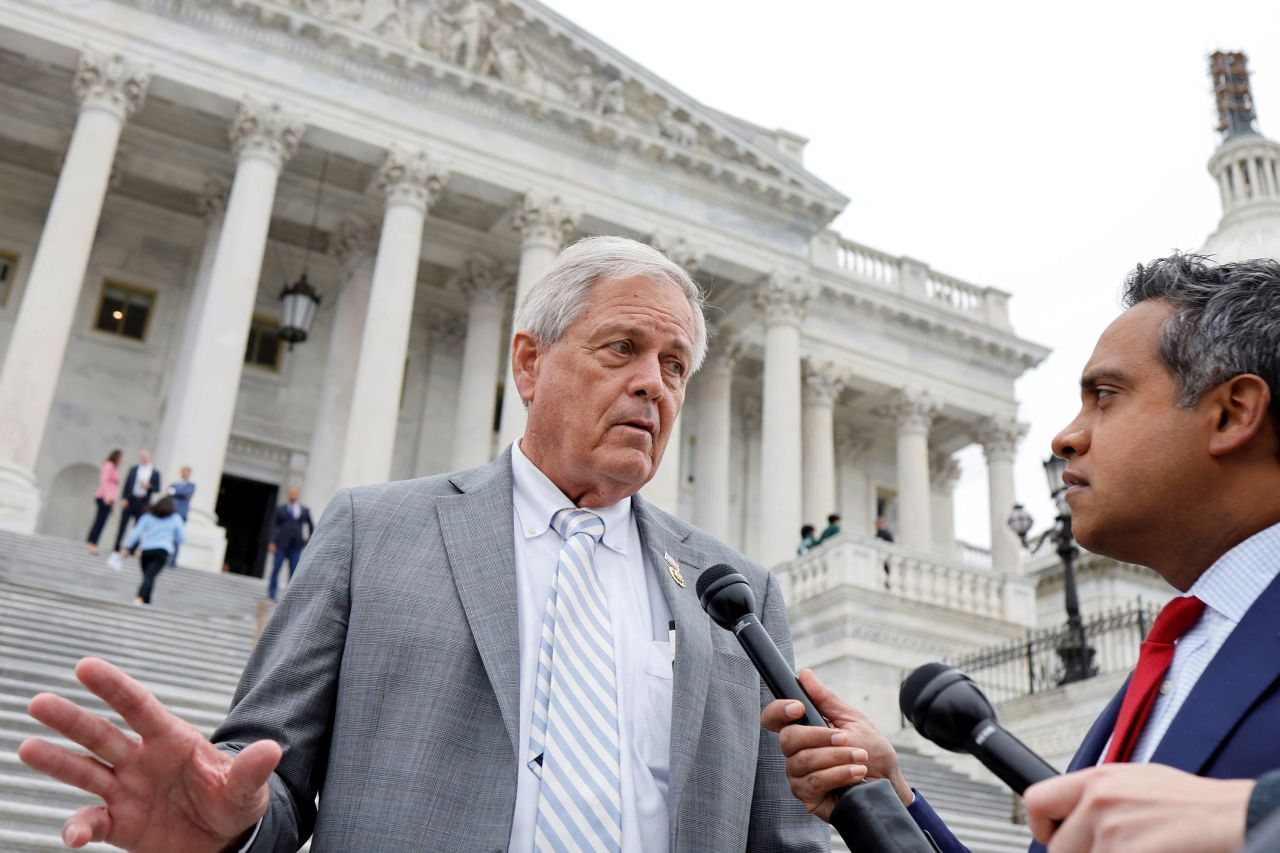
[{"x": 159, "y": 532}]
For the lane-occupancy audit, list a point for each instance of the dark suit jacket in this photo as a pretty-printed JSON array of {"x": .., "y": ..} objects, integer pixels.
[
  {"x": 1227, "y": 727},
  {"x": 390, "y": 673},
  {"x": 152, "y": 487},
  {"x": 286, "y": 531}
]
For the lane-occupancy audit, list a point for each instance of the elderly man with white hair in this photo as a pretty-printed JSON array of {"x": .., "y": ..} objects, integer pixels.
[{"x": 508, "y": 657}]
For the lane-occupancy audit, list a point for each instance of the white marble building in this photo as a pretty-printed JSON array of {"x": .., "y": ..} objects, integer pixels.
[{"x": 162, "y": 162}]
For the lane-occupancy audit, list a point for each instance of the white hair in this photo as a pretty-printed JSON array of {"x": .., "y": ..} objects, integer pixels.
[{"x": 557, "y": 299}]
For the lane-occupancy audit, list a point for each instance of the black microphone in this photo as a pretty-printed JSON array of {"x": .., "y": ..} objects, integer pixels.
[
  {"x": 947, "y": 708},
  {"x": 729, "y": 601},
  {"x": 869, "y": 816}
]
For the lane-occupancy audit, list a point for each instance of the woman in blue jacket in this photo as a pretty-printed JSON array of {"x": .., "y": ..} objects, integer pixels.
[{"x": 160, "y": 531}]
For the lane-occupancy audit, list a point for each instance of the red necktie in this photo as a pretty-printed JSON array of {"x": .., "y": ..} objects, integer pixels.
[{"x": 1176, "y": 619}]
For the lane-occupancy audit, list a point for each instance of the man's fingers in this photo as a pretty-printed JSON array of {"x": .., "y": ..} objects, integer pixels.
[
  {"x": 792, "y": 739},
  {"x": 95, "y": 733},
  {"x": 780, "y": 713},
  {"x": 1050, "y": 801},
  {"x": 139, "y": 707},
  {"x": 91, "y": 823},
  {"x": 250, "y": 771},
  {"x": 808, "y": 761},
  {"x": 813, "y": 788},
  {"x": 79, "y": 771},
  {"x": 828, "y": 703}
]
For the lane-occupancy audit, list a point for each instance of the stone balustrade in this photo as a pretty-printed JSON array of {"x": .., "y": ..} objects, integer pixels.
[
  {"x": 871, "y": 267},
  {"x": 876, "y": 565}
]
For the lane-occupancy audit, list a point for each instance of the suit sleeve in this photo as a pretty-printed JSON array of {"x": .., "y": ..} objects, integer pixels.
[
  {"x": 289, "y": 687},
  {"x": 929, "y": 820},
  {"x": 778, "y": 820},
  {"x": 1265, "y": 800}
]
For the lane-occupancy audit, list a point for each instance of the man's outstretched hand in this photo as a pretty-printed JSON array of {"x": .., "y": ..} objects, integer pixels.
[
  {"x": 169, "y": 790},
  {"x": 822, "y": 760}
]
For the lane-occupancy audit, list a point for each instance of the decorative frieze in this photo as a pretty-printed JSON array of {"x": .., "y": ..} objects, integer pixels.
[
  {"x": 409, "y": 177},
  {"x": 265, "y": 130},
  {"x": 110, "y": 83}
]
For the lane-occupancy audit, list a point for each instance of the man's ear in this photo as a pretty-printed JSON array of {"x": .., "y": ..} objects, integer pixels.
[
  {"x": 525, "y": 360},
  {"x": 1241, "y": 406}
]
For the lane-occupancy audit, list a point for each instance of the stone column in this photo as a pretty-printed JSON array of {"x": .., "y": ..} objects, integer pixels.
[
  {"x": 353, "y": 246},
  {"x": 822, "y": 385},
  {"x": 663, "y": 489},
  {"x": 487, "y": 288},
  {"x": 944, "y": 473},
  {"x": 263, "y": 138},
  {"x": 109, "y": 90},
  {"x": 544, "y": 225},
  {"x": 212, "y": 205},
  {"x": 446, "y": 333},
  {"x": 783, "y": 304},
  {"x": 411, "y": 185},
  {"x": 913, "y": 412},
  {"x": 715, "y": 439},
  {"x": 999, "y": 438},
  {"x": 856, "y": 498}
]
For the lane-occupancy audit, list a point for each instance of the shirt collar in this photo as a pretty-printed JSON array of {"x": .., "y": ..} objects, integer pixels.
[
  {"x": 1238, "y": 577},
  {"x": 537, "y": 499}
]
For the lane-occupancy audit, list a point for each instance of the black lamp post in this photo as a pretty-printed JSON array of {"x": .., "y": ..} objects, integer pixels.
[
  {"x": 1074, "y": 650},
  {"x": 300, "y": 301}
]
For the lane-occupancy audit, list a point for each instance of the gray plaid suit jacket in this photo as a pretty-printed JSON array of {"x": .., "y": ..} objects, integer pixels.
[{"x": 390, "y": 675}]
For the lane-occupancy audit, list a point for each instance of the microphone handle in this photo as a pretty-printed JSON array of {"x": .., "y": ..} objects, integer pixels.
[
  {"x": 773, "y": 668},
  {"x": 1007, "y": 757}
]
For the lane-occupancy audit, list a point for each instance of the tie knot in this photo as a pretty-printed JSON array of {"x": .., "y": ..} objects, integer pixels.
[
  {"x": 571, "y": 521},
  {"x": 1175, "y": 619}
]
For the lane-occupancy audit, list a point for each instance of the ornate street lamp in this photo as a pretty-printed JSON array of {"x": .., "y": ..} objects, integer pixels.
[
  {"x": 299, "y": 302},
  {"x": 1074, "y": 650}
]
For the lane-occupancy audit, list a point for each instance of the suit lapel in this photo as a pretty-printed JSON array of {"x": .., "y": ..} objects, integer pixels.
[
  {"x": 693, "y": 641},
  {"x": 477, "y": 527},
  {"x": 1246, "y": 665}
]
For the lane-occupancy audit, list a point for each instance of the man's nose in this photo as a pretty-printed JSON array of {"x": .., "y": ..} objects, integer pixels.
[
  {"x": 1073, "y": 440},
  {"x": 646, "y": 381}
]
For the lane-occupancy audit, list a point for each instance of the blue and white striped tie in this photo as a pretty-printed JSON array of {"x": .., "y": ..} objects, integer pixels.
[{"x": 574, "y": 742}]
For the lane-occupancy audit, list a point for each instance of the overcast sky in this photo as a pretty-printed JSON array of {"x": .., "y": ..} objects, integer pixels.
[{"x": 1040, "y": 149}]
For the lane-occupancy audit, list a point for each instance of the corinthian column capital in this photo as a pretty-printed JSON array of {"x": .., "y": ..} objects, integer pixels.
[
  {"x": 912, "y": 410},
  {"x": 266, "y": 131},
  {"x": 409, "y": 177},
  {"x": 211, "y": 203},
  {"x": 999, "y": 437},
  {"x": 679, "y": 251},
  {"x": 782, "y": 300},
  {"x": 110, "y": 83},
  {"x": 544, "y": 219},
  {"x": 354, "y": 240},
  {"x": 823, "y": 382},
  {"x": 482, "y": 279}
]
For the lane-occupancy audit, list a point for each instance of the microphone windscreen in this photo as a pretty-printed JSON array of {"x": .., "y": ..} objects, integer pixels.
[
  {"x": 711, "y": 575},
  {"x": 915, "y": 684}
]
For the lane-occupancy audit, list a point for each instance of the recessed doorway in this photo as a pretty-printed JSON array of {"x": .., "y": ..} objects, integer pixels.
[{"x": 244, "y": 509}]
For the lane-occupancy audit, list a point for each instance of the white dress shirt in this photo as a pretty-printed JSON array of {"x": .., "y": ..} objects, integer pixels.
[
  {"x": 1228, "y": 589},
  {"x": 639, "y": 615},
  {"x": 142, "y": 481}
]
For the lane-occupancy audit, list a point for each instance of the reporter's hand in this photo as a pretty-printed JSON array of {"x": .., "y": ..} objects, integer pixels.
[
  {"x": 169, "y": 790},
  {"x": 1136, "y": 808},
  {"x": 271, "y": 547},
  {"x": 821, "y": 760}
]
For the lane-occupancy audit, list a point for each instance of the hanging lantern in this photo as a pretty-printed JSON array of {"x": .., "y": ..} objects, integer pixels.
[{"x": 298, "y": 304}]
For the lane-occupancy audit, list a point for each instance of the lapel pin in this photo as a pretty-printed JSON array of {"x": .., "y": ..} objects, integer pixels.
[{"x": 674, "y": 568}]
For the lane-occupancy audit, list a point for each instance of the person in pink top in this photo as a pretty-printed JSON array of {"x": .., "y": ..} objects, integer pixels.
[{"x": 105, "y": 497}]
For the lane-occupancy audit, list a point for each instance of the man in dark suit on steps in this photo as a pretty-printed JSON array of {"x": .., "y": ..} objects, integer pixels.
[
  {"x": 143, "y": 482},
  {"x": 287, "y": 537}
]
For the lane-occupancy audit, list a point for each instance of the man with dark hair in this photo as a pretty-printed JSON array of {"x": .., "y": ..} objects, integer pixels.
[
  {"x": 1174, "y": 464},
  {"x": 832, "y": 528}
]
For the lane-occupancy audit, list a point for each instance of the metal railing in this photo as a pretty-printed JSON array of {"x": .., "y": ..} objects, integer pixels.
[{"x": 1011, "y": 670}]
